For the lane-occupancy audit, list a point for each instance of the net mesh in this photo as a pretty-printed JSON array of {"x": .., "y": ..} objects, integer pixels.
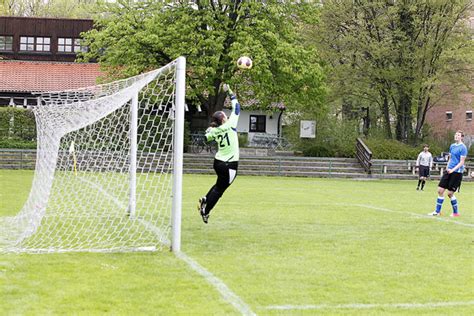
[{"x": 85, "y": 193}]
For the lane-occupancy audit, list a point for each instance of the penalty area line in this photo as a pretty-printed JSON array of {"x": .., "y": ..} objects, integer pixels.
[
  {"x": 368, "y": 306},
  {"x": 226, "y": 293},
  {"x": 414, "y": 214}
]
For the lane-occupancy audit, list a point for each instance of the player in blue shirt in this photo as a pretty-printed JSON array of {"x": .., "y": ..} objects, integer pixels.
[{"x": 451, "y": 179}]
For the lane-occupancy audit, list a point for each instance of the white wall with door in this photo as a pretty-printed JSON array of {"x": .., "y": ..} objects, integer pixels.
[{"x": 258, "y": 122}]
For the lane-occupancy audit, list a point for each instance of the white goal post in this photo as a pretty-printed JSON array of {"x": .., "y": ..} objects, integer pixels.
[{"x": 108, "y": 174}]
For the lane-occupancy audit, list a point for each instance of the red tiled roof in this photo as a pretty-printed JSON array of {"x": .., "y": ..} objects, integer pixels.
[{"x": 29, "y": 76}]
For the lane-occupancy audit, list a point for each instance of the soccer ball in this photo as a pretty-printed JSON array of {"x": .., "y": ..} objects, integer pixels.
[{"x": 244, "y": 62}]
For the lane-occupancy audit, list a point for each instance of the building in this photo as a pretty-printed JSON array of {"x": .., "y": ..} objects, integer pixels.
[
  {"x": 452, "y": 115},
  {"x": 38, "y": 54}
]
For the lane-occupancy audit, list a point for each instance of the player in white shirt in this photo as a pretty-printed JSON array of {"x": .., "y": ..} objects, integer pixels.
[{"x": 424, "y": 163}]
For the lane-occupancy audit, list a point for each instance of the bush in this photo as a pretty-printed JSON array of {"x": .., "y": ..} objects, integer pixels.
[
  {"x": 17, "y": 123},
  {"x": 17, "y": 144},
  {"x": 187, "y": 136},
  {"x": 318, "y": 150},
  {"x": 243, "y": 139},
  {"x": 392, "y": 149},
  {"x": 17, "y": 128},
  {"x": 334, "y": 138}
]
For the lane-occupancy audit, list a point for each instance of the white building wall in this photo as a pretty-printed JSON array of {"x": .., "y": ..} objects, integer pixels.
[{"x": 271, "y": 124}]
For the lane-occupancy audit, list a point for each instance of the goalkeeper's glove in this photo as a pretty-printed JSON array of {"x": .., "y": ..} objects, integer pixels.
[
  {"x": 226, "y": 88},
  {"x": 208, "y": 130}
]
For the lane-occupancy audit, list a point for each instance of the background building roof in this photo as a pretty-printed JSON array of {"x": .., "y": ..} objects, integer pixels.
[{"x": 28, "y": 76}]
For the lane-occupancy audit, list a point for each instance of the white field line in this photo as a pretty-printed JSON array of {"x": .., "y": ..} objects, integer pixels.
[
  {"x": 226, "y": 293},
  {"x": 105, "y": 193},
  {"x": 383, "y": 209},
  {"x": 223, "y": 289},
  {"x": 371, "y": 306},
  {"x": 368, "y": 306}
]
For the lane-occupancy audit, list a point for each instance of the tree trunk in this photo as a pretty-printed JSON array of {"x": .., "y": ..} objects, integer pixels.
[
  {"x": 421, "y": 117},
  {"x": 386, "y": 115},
  {"x": 216, "y": 99},
  {"x": 404, "y": 128}
]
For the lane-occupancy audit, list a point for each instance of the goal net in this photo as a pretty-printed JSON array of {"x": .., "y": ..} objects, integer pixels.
[{"x": 108, "y": 170}]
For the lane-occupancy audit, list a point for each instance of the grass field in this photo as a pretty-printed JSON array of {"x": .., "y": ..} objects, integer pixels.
[{"x": 282, "y": 246}]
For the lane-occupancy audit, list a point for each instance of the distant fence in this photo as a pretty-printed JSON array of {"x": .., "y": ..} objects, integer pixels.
[{"x": 17, "y": 158}]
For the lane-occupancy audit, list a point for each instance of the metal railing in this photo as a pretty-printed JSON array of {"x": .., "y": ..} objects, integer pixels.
[
  {"x": 199, "y": 143},
  {"x": 272, "y": 141},
  {"x": 364, "y": 155}
]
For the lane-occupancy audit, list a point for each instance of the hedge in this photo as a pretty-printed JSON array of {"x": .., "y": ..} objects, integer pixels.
[{"x": 17, "y": 128}]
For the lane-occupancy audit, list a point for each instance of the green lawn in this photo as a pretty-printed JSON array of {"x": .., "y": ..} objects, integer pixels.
[{"x": 285, "y": 246}]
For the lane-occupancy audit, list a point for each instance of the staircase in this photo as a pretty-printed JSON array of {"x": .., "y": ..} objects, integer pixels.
[
  {"x": 405, "y": 169},
  {"x": 281, "y": 166},
  {"x": 395, "y": 169}
]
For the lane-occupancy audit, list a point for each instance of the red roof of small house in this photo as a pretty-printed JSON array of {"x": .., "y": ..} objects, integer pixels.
[{"x": 29, "y": 76}]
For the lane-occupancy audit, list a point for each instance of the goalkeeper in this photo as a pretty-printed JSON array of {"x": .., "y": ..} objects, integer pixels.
[{"x": 224, "y": 131}]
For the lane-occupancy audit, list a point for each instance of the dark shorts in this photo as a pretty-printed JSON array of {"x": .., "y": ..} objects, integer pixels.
[
  {"x": 226, "y": 172},
  {"x": 424, "y": 171},
  {"x": 450, "y": 181}
]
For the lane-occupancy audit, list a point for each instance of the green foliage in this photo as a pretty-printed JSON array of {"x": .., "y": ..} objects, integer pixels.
[
  {"x": 334, "y": 138},
  {"x": 395, "y": 57},
  {"x": 50, "y": 8},
  {"x": 393, "y": 149},
  {"x": 243, "y": 139},
  {"x": 17, "y": 144},
  {"x": 136, "y": 36},
  {"x": 187, "y": 136},
  {"x": 17, "y": 128}
]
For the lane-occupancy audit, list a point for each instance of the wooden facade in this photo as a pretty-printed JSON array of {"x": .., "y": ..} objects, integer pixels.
[{"x": 55, "y": 29}]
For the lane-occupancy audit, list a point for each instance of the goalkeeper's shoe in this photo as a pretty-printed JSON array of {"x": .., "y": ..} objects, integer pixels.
[
  {"x": 202, "y": 209},
  {"x": 434, "y": 213},
  {"x": 455, "y": 215}
]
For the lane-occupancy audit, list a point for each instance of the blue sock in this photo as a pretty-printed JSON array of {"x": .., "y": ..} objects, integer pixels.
[
  {"x": 439, "y": 203},
  {"x": 454, "y": 203}
]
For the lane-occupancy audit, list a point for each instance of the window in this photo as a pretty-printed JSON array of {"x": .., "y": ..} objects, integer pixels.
[
  {"x": 78, "y": 47},
  {"x": 35, "y": 44},
  {"x": 468, "y": 115},
  {"x": 65, "y": 45},
  {"x": 257, "y": 123},
  {"x": 70, "y": 45},
  {"x": 27, "y": 43},
  {"x": 43, "y": 44},
  {"x": 449, "y": 116},
  {"x": 6, "y": 43}
]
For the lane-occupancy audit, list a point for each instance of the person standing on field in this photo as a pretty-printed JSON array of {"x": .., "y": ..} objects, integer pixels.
[
  {"x": 452, "y": 177},
  {"x": 224, "y": 131},
  {"x": 424, "y": 163}
]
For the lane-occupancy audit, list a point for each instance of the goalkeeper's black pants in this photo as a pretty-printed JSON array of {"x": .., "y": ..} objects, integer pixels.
[{"x": 226, "y": 173}]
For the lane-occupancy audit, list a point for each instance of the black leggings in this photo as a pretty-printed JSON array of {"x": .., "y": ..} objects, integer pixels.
[{"x": 226, "y": 173}]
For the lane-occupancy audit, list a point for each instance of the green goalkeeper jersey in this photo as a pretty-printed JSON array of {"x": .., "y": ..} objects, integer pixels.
[{"x": 226, "y": 135}]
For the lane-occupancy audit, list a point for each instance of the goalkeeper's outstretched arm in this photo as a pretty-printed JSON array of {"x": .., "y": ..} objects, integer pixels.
[
  {"x": 234, "y": 116},
  {"x": 219, "y": 119}
]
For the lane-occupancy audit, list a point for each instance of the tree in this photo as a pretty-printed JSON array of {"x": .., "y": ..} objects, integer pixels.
[
  {"x": 50, "y": 8},
  {"x": 397, "y": 56},
  {"x": 136, "y": 36}
]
